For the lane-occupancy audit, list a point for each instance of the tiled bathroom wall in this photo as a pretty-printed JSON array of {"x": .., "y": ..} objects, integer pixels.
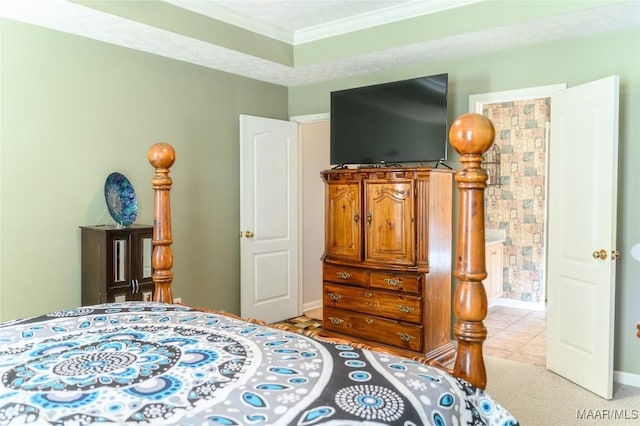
[{"x": 517, "y": 204}]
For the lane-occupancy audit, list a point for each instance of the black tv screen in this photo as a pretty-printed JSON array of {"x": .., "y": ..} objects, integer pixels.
[{"x": 398, "y": 122}]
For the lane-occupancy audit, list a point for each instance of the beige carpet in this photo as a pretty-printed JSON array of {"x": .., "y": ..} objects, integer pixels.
[{"x": 538, "y": 397}]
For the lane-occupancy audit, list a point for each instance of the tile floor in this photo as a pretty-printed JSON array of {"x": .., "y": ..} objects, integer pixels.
[
  {"x": 512, "y": 333},
  {"x": 516, "y": 334}
]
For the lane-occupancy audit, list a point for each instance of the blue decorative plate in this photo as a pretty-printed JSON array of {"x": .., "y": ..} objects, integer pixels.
[{"x": 121, "y": 199}]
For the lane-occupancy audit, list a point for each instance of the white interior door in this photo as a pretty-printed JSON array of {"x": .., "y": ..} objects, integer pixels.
[
  {"x": 582, "y": 220},
  {"x": 268, "y": 218}
]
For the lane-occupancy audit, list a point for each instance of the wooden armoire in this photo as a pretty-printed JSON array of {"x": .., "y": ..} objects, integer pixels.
[{"x": 387, "y": 260}]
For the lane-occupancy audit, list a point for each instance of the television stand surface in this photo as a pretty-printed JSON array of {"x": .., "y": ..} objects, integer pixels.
[{"x": 380, "y": 165}]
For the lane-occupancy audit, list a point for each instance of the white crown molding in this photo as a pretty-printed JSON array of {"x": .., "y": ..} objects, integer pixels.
[
  {"x": 224, "y": 14},
  {"x": 342, "y": 26},
  {"x": 375, "y": 18}
]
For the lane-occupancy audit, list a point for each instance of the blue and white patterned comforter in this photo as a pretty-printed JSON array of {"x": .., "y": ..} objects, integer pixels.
[{"x": 164, "y": 364}]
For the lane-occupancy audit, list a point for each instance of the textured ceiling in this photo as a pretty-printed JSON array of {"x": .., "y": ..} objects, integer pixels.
[
  {"x": 296, "y": 21},
  {"x": 300, "y": 21},
  {"x": 302, "y": 15}
]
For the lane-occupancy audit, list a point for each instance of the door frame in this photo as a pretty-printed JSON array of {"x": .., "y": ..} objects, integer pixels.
[
  {"x": 476, "y": 103},
  {"x": 302, "y": 120}
]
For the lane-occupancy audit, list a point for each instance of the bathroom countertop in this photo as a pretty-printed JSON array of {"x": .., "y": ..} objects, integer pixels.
[
  {"x": 494, "y": 236},
  {"x": 493, "y": 241}
]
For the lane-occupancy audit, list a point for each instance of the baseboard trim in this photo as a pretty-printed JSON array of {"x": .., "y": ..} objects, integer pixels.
[
  {"x": 520, "y": 304},
  {"x": 625, "y": 378},
  {"x": 621, "y": 377},
  {"x": 309, "y": 306}
]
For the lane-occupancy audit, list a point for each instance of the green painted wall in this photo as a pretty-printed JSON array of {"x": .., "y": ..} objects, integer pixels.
[
  {"x": 73, "y": 111},
  {"x": 573, "y": 62}
]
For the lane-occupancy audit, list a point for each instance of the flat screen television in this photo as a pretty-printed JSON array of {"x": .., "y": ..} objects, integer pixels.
[{"x": 390, "y": 123}]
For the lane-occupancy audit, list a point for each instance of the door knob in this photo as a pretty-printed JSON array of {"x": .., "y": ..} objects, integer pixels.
[
  {"x": 615, "y": 254},
  {"x": 602, "y": 254},
  {"x": 249, "y": 234}
]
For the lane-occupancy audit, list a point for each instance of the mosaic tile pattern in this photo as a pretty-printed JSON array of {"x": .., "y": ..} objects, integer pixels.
[
  {"x": 517, "y": 205},
  {"x": 302, "y": 324}
]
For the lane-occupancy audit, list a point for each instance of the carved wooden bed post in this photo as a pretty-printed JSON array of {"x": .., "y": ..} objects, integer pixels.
[
  {"x": 471, "y": 135},
  {"x": 161, "y": 156}
]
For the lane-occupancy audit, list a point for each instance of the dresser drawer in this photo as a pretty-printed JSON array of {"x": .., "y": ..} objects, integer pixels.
[
  {"x": 374, "y": 328},
  {"x": 395, "y": 306},
  {"x": 396, "y": 282},
  {"x": 343, "y": 274}
]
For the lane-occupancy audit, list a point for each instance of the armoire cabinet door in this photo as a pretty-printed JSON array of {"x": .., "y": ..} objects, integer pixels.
[
  {"x": 389, "y": 222},
  {"x": 141, "y": 269},
  {"x": 130, "y": 266},
  {"x": 343, "y": 232}
]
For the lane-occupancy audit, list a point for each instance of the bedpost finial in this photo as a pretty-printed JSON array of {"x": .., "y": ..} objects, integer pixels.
[
  {"x": 161, "y": 155},
  {"x": 471, "y": 134}
]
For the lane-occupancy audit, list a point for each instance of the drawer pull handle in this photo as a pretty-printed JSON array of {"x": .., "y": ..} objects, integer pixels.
[
  {"x": 368, "y": 294},
  {"x": 406, "y": 309},
  {"x": 335, "y": 297},
  {"x": 343, "y": 275},
  {"x": 368, "y": 321},
  {"x": 336, "y": 320},
  {"x": 356, "y": 217},
  {"x": 393, "y": 282},
  {"x": 405, "y": 337}
]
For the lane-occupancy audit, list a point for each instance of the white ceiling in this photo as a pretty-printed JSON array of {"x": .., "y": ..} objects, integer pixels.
[{"x": 300, "y": 21}]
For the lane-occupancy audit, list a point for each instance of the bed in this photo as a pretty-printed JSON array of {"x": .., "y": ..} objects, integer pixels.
[{"x": 163, "y": 363}]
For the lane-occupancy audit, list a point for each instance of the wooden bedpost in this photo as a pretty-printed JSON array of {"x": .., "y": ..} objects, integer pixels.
[
  {"x": 471, "y": 135},
  {"x": 161, "y": 156}
]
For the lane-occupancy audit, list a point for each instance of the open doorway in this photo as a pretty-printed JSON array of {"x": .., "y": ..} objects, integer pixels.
[
  {"x": 515, "y": 212},
  {"x": 516, "y": 201}
]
